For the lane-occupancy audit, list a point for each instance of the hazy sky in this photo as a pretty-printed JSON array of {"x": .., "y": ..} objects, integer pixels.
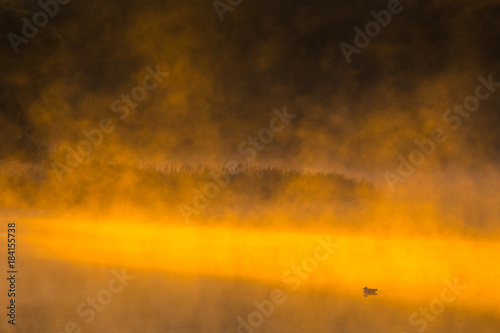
[{"x": 227, "y": 76}]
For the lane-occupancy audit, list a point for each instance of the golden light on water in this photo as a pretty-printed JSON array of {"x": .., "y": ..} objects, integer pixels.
[{"x": 405, "y": 269}]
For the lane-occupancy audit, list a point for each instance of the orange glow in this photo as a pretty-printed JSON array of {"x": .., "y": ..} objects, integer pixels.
[{"x": 403, "y": 268}]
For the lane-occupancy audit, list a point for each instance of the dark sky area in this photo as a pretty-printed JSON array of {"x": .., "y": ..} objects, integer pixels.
[{"x": 227, "y": 76}]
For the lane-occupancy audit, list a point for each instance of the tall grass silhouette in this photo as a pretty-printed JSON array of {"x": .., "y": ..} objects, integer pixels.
[{"x": 151, "y": 189}]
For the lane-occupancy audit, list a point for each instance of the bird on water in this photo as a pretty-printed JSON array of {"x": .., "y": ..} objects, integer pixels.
[{"x": 369, "y": 292}]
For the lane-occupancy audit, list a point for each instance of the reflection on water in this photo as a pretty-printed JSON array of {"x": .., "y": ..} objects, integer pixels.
[{"x": 192, "y": 279}]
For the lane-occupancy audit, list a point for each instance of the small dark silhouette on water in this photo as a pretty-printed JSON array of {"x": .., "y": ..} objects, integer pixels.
[{"x": 368, "y": 291}]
